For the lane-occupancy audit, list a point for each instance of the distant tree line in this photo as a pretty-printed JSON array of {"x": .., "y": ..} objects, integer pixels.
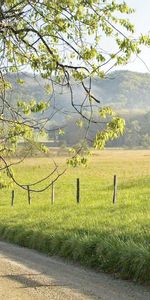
[{"x": 137, "y": 132}]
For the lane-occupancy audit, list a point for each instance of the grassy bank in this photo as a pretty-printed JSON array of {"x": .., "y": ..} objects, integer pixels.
[{"x": 95, "y": 233}]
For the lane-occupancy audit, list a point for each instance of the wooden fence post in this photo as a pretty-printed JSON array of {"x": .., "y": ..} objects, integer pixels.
[
  {"x": 12, "y": 198},
  {"x": 29, "y": 196},
  {"x": 78, "y": 190},
  {"x": 115, "y": 190},
  {"x": 52, "y": 194}
]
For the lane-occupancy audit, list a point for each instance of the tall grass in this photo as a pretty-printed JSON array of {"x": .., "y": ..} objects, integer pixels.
[{"x": 94, "y": 233}]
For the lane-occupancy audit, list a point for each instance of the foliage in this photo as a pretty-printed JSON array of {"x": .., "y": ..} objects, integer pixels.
[
  {"x": 137, "y": 132},
  {"x": 61, "y": 42},
  {"x": 114, "y": 128}
]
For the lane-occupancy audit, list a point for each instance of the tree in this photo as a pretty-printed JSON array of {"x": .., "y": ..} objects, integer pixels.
[{"x": 61, "y": 41}]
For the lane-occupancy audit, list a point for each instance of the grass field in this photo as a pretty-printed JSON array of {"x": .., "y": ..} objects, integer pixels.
[{"x": 94, "y": 233}]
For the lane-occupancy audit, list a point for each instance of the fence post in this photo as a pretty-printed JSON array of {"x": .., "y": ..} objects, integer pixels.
[
  {"x": 12, "y": 198},
  {"x": 29, "y": 197},
  {"x": 78, "y": 190},
  {"x": 52, "y": 194},
  {"x": 115, "y": 190}
]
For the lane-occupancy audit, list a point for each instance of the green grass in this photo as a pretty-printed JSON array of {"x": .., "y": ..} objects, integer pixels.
[{"x": 94, "y": 233}]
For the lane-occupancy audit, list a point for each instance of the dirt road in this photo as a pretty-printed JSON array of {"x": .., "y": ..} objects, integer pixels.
[{"x": 25, "y": 274}]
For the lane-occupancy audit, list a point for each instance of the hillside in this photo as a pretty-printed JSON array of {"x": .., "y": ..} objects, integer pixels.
[
  {"x": 127, "y": 92},
  {"x": 125, "y": 89},
  {"x": 121, "y": 89}
]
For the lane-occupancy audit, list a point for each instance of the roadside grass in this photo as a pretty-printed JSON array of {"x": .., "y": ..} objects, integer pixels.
[{"x": 95, "y": 233}]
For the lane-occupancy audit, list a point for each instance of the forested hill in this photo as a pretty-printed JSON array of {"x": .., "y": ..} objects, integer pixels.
[
  {"x": 125, "y": 89},
  {"x": 122, "y": 89}
]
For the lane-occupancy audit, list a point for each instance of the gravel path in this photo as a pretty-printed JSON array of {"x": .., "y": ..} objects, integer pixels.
[{"x": 25, "y": 274}]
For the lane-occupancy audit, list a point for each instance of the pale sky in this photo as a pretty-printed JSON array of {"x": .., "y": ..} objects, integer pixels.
[{"x": 141, "y": 19}]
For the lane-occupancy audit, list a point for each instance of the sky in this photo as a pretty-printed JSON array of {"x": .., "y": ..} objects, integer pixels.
[{"x": 141, "y": 20}]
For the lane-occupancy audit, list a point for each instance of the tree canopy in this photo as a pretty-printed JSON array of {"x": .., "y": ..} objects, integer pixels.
[{"x": 64, "y": 42}]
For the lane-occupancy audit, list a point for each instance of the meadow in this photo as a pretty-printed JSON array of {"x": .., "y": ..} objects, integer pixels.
[{"x": 94, "y": 233}]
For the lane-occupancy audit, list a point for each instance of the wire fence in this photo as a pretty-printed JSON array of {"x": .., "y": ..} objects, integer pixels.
[{"x": 77, "y": 191}]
